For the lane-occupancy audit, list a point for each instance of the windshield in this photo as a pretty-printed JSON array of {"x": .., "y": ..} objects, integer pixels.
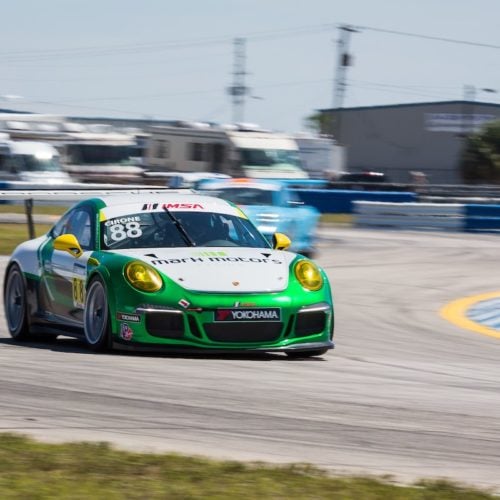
[
  {"x": 246, "y": 196},
  {"x": 31, "y": 163},
  {"x": 97, "y": 154},
  {"x": 269, "y": 158},
  {"x": 179, "y": 229}
]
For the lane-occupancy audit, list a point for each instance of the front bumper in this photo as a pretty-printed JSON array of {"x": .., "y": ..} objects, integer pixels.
[
  {"x": 192, "y": 329},
  {"x": 187, "y": 349}
]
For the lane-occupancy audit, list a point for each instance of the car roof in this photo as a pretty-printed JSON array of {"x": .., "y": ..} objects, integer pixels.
[
  {"x": 242, "y": 183},
  {"x": 123, "y": 204}
]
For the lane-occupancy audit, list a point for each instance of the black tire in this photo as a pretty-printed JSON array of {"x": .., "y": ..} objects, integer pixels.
[
  {"x": 96, "y": 317},
  {"x": 306, "y": 354},
  {"x": 15, "y": 304}
]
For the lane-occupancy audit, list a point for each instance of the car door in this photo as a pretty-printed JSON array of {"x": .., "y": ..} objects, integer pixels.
[{"x": 63, "y": 274}]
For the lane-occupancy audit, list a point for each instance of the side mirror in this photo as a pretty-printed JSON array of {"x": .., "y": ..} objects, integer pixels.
[
  {"x": 281, "y": 241},
  {"x": 68, "y": 243}
]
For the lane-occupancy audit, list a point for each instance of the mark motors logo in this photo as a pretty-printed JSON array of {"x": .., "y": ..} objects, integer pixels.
[{"x": 267, "y": 314}]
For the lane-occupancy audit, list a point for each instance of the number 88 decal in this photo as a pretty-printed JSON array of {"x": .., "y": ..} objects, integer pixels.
[
  {"x": 119, "y": 232},
  {"x": 78, "y": 292}
]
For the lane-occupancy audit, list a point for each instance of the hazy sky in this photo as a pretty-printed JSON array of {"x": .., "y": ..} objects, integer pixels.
[{"x": 174, "y": 59}]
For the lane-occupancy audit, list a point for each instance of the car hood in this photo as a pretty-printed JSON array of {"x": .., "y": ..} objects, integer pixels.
[{"x": 221, "y": 269}]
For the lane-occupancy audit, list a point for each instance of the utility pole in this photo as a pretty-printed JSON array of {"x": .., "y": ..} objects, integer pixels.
[
  {"x": 344, "y": 60},
  {"x": 238, "y": 90}
]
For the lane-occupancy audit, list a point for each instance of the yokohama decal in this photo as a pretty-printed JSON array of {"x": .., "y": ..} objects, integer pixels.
[
  {"x": 266, "y": 314},
  {"x": 133, "y": 318}
]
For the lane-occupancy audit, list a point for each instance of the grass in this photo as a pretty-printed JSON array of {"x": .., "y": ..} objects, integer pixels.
[
  {"x": 37, "y": 209},
  {"x": 13, "y": 234},
  {"x": 345, "y": 219},
  {"x": 34, "y": 470}
]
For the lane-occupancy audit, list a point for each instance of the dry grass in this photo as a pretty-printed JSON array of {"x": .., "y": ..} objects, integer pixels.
[{"x": 29, "y": 469}]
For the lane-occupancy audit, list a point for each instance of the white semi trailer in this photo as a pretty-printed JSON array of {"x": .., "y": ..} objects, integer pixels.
[
  {"x": 240, "y": 151},
  {"x": 321, "y": 156}
]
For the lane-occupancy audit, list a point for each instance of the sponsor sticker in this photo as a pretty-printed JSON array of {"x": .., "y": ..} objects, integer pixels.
[
  {"x": 182, "y": 206},
  {"x": 126, "y": 332},
  {"x": 218, "y": 258},
  {"x": 78, "y": 288},
  {"x": 150, "y": 206},
  {"x": 132, "y": 318},
  {"x": 248, "y": 314}
]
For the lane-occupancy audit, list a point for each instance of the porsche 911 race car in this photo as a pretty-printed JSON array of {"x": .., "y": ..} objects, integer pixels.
[
  {"x": 177, "y": 271},
  {"x": 273, "y": 207}
]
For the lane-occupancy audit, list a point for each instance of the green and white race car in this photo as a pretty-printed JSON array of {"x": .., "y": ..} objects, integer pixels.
[{"x": 177, "y": 271}]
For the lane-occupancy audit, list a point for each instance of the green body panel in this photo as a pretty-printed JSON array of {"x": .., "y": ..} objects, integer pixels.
[
  {"x": 125, "y": 299},
  {"x": 58, "y": 296}
]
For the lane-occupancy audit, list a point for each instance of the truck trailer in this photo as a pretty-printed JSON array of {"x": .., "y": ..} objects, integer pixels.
[{"x": 236, "y": 150}]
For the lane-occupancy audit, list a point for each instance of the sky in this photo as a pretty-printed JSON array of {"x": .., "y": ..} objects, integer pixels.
[{"x": 174, "y": 60}]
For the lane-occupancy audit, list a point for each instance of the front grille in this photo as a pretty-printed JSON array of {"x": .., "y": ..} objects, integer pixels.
[
  {"x": 309, "y": 323},
  {"x": 263, "y": 331},
  {"x": 193, "y": 326},
  {"x": 165, "y": 325}
]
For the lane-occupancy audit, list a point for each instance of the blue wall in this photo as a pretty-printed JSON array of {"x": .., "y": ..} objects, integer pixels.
[
  {"x": 336, "y": 201},
  {"x": 485, "y": 218}
]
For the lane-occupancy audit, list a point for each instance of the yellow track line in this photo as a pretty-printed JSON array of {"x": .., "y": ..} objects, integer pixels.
[{"x": 455, "y": 312}]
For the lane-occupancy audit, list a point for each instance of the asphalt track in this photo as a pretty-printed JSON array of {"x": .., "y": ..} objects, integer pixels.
[{"x": 412, "y": 389}]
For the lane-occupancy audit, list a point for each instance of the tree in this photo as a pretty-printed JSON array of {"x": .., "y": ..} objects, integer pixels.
[
  {"x": 319, "y": 123},
  {"x": 481, "y": 158}
]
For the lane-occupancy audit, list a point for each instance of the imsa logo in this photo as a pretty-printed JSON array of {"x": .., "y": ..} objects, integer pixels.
[
  {"x": 250, "y": 314},
  {"x": 182, "y": 206}
]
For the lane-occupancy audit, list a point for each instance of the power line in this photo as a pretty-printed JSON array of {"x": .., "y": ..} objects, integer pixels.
[
  {"x": 37, "y": 55},
  {"x": 388, "y": 88},
  {"x": 429, "y": 37},
  {"x": 44, "y": 54},
  {"x": 129, "y": 48}
]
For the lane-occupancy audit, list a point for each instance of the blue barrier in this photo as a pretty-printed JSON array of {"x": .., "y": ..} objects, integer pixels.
[
  {"x": 339, "y": 201},
  {"x": 482, "y": 218},
  {"x": 303, "y": 183},
  {"x": 4, "y": 186}
]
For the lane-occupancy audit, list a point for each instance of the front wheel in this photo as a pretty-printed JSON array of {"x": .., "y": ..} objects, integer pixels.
[
  {"x": 15, "y": 305},
  {"x": 96, "y": 317}
]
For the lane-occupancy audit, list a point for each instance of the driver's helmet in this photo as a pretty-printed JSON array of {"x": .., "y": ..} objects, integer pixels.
[
  {"x": 220, "y": 229},
  {"x": 204, "y": 227}
]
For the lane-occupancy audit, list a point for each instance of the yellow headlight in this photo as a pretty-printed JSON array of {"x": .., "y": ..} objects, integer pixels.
[
  {"x": 142, "y": 276},
  {"x": 308, "y": 275}
]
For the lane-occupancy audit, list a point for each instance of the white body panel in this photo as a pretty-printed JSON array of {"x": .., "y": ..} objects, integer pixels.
[
  {"x": 121, "y": 205},
  {"x": 26, "y": 255},
  {"x": 220, "y": 270}
]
